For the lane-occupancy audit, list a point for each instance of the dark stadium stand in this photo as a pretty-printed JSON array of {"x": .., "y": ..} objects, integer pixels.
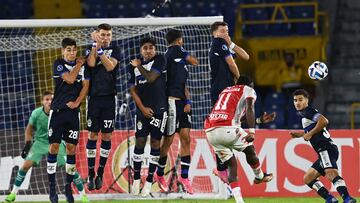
[{"x": 140, "y": 8}]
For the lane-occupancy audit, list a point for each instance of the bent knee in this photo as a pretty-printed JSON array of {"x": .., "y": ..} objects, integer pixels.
[
  {"x": 331, "y": 173},
  {"x": 54, "y": 148}
]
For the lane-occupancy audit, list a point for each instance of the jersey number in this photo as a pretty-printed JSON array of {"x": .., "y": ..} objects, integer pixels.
[
  {"x": 222, "y": 105},
  {"x": 73, "y": 134},
  {"x": 155, "y": 122},
  {"x": 107, "y": 123}
]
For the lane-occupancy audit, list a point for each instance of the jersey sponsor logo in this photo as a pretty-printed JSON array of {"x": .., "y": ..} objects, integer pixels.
[
  {"x": 224, "y": 47},
  {"x": 216, "y": 116},
  {"x": 59, "y": 68}
]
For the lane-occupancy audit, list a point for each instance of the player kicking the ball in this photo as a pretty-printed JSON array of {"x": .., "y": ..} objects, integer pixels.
[{"x": 224, "y": 132}]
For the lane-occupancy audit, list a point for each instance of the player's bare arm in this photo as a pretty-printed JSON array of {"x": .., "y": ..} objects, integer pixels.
[
  {"x": 109, "y": 63},
  {"x": 241, "y": 52},
  {"x": 91, "y": 59},
  {"x": 233, "y": 67},
  {"x": 147, "y": 112},
  {"x": 187, "y": 107},
  {"x": 232, "y": 46},
  {"x": 150, "y": 76},
  {"x": 265, "y": 118},
  {"x": 82, "y": 95},
  {"x": 296, "y": 134},
  {"x": 70, "y": 77},
  {"x": 192, "y": 60},
  {"x": 250, "y": 117},
  {"x": 320, "y": 125}
]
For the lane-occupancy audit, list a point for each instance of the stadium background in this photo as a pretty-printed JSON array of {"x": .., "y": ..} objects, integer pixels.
[{"x": 312, "y": 30}]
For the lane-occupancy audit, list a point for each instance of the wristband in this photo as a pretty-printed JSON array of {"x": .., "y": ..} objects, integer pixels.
[
  {"x": 258, "y": 121},
  {"x": 232, "y": 45},
  {"x": 252, "y": 130},
  {"x": 94, "y": 44},
  {"x": 188, "y": 101},
  {"x": 100, "y": 51}
]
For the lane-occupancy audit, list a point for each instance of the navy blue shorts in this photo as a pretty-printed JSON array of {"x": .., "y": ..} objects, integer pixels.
[
  {"x": 155, "y": 126},
  {"x": 328, "y": 156},
  {"x": 64, "y": 125},
  {"x": 101, "y": 114},
  {"x": 178, "y": 119}
]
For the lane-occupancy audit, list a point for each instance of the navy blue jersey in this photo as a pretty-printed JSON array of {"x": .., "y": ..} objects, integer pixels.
[
  {"x": 310, "y": 116},
  {"x": 221, "y": 76},
  {"x": 103, "y": 82},
  {"x": 152, "y": 95},
  {"x": 65, "y": 92},
  {"x": 177, "y": 72}
]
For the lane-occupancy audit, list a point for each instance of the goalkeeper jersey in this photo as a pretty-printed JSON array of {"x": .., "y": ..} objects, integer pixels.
[{"x": 39, "y": 120}]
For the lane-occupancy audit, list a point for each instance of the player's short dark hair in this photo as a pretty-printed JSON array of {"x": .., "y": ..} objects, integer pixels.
[
  {"x": 244, "y": 80},
  {"x": 68, "y": 42},
  {"x": 104, "y": 26},
  {"x": 215, "y": 25},
  {"x": 147, "y": 40},
  {"x": 47, "y": 92},
  {"x": 172, "y": 35},
  {"x": 301, "y": 92}
]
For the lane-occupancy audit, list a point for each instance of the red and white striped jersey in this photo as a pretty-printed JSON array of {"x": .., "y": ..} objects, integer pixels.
[{"x": 230, "y": 107}]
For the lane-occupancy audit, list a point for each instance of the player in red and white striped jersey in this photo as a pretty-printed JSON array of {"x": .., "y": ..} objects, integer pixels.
[{"x": 224, "y": 132}]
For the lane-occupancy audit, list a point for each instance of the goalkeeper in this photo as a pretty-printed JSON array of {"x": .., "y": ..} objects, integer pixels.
[{"x": 34, "y": 152}]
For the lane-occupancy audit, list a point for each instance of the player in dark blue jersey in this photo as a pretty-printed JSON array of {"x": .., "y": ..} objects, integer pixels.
[
  {"x": 315, "y": 131},
  {"x": 71, "y": 78},
  {"x": 179, "y": 107},
  {"x": 224, "y": 71},
  {"x": 147, "y": 88},
  {"x": 102, "y": 59}
]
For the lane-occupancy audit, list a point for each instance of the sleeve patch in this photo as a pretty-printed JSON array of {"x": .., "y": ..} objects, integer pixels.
[
  {"x": 224, "y": 47},
  {"x": 59, "y": 68}
]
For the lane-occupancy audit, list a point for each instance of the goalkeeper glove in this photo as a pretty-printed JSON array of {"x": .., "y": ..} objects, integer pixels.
[{"x": 26, "y": 149}]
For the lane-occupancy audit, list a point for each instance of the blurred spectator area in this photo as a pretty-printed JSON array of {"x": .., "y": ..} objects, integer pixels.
[
  {"x": 249, "y": 10},
  {"x": 252, "y": 19}
]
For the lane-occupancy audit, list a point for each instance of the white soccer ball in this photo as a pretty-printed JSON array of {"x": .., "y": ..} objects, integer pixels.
[{"x": 318, "y": 70}]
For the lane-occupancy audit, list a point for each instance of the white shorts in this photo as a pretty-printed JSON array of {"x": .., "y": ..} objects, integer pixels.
[{"x": 226, "y": 138}]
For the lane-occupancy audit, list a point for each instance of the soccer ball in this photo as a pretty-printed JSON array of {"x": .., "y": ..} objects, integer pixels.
[{"x": 318, "y": 70}]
